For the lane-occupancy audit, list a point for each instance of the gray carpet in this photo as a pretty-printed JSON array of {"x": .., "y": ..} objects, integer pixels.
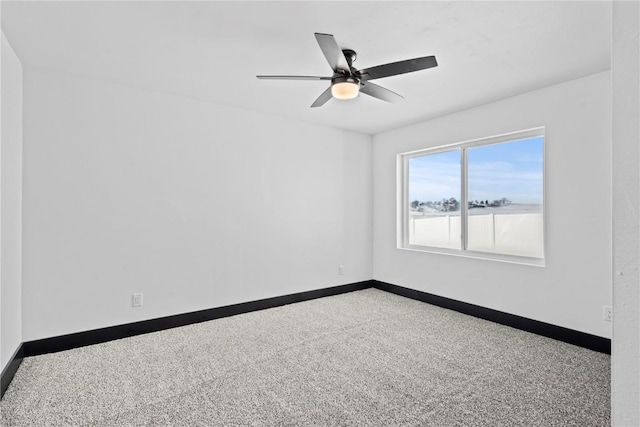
[{"x": 367, "y": 358}]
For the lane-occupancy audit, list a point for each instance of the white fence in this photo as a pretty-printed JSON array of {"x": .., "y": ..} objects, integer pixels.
[{"x": 513, "y": 234}]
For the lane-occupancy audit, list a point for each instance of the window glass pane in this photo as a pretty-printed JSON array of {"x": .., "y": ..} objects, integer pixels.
[
  {"x": 505, "y": 189},
  {"x": 434, "y": 200}
]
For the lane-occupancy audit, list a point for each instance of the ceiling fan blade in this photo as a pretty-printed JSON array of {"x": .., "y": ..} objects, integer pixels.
[
  {"x": 323, "y": 98},
  {"x": 332, "y": 52},
  {"x": 400, "y": 67},
  {"x": 380, "y": 92},
  {"x": 293, "y": 78}
]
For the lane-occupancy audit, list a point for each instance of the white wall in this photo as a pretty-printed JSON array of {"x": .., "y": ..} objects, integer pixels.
[
  {"x": 576, "y": 282},
  {"x": 10, "y": 202},
  {"x": 625, "y": 352},
  {"x": 196, "y": 205}
]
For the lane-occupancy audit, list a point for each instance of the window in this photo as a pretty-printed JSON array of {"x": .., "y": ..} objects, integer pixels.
[{"x": 481, "y": 198}]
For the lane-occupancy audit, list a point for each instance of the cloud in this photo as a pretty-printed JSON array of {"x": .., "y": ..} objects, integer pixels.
[
  {"x": 434, "y": 180},
  {"x": 494, "y": 180},
  {"x": 436, "y": 177}
]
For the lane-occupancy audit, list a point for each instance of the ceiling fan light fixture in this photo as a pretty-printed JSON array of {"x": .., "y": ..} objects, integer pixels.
[{"x": 345, "y": 88}]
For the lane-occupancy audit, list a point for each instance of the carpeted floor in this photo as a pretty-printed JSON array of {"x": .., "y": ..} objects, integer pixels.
[{"x": 366, "y": 358}]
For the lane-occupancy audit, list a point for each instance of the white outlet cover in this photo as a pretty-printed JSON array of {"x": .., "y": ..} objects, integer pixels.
[{"x": 136, "y": 300}]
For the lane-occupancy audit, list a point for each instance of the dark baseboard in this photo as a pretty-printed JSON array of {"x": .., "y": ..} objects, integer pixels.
[
  {"x": 582, "y": 339},
  {"x": 10, "y": 370},
  {"x": 96, "y": 336}
]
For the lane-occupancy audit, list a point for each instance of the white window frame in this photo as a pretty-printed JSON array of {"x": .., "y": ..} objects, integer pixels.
[{"x": 403, "y": 198}]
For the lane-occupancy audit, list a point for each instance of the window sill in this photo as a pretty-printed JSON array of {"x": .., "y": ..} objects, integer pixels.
[{"x": 511, "y": 259}]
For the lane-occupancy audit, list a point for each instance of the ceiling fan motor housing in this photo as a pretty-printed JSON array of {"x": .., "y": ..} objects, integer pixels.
[{"x": 344, "y": 79}]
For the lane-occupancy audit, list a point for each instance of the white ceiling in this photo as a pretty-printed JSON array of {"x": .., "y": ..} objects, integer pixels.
[{"x": 213, "y": 50}]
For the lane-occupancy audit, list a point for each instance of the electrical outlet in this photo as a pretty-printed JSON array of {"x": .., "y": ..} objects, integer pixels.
[
  {"x": 341, "y": 270},
  {"x": 607, "y": 313},
  {"x": 136, "y": 300}
]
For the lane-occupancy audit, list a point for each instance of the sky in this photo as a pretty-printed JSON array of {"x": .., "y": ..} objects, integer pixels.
[{"x": 513, "y": 170}]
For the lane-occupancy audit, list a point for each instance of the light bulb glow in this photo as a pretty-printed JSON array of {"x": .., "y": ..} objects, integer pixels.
[{"x": 345, "y": 90}]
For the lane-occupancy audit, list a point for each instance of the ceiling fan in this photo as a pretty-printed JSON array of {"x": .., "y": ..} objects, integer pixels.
[{"x": 347, "y": 82}]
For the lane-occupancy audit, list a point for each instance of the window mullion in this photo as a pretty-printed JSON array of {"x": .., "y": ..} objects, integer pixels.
[
  {"x": 464, "y": 204},
  {"x": 406, "y": 223}
]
